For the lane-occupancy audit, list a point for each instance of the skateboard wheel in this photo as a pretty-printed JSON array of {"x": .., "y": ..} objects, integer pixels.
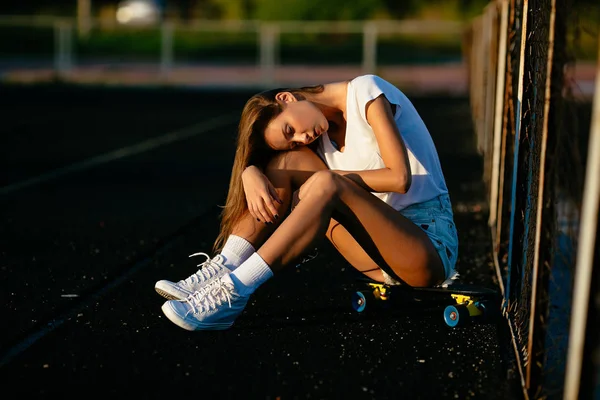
[
  {"x": 456, "y": 315},
  {"x": 359, "y": 301}
]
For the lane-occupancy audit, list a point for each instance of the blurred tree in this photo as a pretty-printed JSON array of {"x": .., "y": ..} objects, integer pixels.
[
  {"x": 316, "y": 10},
  {"x": 282, "y": 9},
  {"x": 401, "y": 9},
  {"x": 198, "y": 9},
  {"x": 234, "y": 9}
]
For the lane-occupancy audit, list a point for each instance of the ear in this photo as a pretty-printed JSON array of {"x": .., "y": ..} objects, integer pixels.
[{"x": 285, "y": 97}]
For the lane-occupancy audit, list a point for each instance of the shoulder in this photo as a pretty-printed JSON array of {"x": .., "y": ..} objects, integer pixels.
[
  {"x": 365, "y": 88},
  {"x": 373, "y": 85},
  {"x": 369, "y": 79}
]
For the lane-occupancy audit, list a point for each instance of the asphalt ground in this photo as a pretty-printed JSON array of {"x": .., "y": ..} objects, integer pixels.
[{"x": 104, "y": 191}]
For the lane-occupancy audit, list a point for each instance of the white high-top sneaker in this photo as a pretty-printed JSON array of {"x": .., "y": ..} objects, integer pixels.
[
  {"x": 214, "y": 307},
  {"x": 210, "y": 270}
]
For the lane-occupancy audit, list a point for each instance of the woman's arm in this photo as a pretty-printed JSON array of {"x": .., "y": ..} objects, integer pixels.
[
  {"x": 260, "y": 194},
  {"x": 396, "y": 177}
]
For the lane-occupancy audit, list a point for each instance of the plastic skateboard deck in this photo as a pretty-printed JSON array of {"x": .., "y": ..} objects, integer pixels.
[{"x": 462, "y": 303}]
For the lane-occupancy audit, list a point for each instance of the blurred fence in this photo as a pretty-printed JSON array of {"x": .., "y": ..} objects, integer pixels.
[
  {"x": 517, "y": 58},
  {"x": 368, "y": 44}
]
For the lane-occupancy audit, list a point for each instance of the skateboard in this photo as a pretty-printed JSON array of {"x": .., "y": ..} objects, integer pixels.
[{"x": 463, "y": 303}]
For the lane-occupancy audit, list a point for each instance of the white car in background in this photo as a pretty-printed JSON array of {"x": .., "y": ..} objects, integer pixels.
[{"x": 138, "y": 12}]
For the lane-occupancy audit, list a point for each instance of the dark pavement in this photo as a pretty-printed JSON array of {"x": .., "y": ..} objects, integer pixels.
[{"x": 81, "y": 249}]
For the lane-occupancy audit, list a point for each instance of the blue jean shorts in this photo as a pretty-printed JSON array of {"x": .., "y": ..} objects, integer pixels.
[{"x": 436, "y": 219}]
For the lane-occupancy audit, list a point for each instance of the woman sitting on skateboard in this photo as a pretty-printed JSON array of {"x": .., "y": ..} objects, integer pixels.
[{"x": 351, "y": 161}]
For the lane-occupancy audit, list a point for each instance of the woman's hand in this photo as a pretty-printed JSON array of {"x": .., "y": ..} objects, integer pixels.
[{"x": 260, "y": 195}]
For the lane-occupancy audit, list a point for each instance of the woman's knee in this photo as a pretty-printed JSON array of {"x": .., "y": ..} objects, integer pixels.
[
  {"x": 324, "y": 184},
  {"x": 294, "y": 166},
  {"x": 300, "y": 158}
]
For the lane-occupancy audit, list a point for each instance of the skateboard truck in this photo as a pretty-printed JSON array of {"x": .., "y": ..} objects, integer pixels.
[{"x": 463, "y": 307}]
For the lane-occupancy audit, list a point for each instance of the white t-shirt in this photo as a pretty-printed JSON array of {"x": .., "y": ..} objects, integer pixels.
[{"x": 361, "y": 150}]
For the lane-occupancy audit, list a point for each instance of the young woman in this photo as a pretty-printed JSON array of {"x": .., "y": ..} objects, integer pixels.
[{"x": 351, "y": 161}]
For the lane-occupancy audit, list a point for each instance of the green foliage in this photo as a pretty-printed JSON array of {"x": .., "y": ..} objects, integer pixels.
[
  {"x": 459, "y": 10},
  {"x": 583, "y": 28},
  {"x": 316, "y": 10},
  {"x": 242, "y": 48},
  {"x": 233, "y": 9},
  {"x": 336, "y": 49},
  {"x": 400, "y": 9},
  {"x": 126, "y": 44}
]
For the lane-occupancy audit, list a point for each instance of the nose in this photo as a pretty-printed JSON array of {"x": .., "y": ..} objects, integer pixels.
[{"x": 305, "y": 138}]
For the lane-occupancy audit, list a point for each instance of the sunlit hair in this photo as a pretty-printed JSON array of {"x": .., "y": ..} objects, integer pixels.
[{"x": 252, "y": 149}]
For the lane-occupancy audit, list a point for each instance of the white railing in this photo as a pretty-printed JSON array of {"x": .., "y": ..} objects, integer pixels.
[{"x": 268, "y": 36}]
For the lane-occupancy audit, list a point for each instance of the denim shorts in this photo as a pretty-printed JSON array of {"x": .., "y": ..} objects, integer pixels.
[{"x": 436, "y": 219}]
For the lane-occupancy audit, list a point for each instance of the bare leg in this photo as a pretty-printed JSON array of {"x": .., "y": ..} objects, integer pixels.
[
  {"x": 287, "y": 172},
  {"x": 352, "y": 251},
  {"x": 367, "y": 232},
  {"x": 389, "y": 238}
]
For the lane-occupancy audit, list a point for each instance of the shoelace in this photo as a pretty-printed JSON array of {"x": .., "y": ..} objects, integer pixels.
[
  {"x": 209, "y": 297},
  {"x": 208, "y": 269}
]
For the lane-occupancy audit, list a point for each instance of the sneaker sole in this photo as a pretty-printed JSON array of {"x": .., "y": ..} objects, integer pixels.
[
  {"x": 176, "y": 319},
  {"x": 168, "y": 291},
  {"x": 167, "y": 295}
]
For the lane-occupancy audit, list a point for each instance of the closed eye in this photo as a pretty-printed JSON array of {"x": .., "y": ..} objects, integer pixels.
[
  {"x": 289, "y": 134},
  {"x": 288, "y": 130}
]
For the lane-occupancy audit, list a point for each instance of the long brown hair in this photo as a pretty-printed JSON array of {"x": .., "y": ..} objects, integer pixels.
[{"x": 251, "y": 149}]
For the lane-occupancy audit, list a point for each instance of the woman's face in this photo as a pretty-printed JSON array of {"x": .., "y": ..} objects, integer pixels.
[{"x": 299, "y": 124}]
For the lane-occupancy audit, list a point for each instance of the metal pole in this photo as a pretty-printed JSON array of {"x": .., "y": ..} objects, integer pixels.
[
  {"x": 166, "y": 48},
  {"x": 498, "y": 117},
  {"x": 513, "y": 212},
  {"x": 62, "y": 47},
  {"x": 498, "y": 113},
  {"x": 534, "y": 316},
  {"x": 369, "y": 48},
  {"x": 518, "y": 116},
  {"x": 585, "y": 252},
  {"x": 488, "y": 83},
  {"x": 268, "y": 39}
]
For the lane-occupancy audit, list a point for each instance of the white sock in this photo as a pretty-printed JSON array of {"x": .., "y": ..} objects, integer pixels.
[
  {"x": 236, "y": 251},
  {"x": 250, "y": 275}
]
